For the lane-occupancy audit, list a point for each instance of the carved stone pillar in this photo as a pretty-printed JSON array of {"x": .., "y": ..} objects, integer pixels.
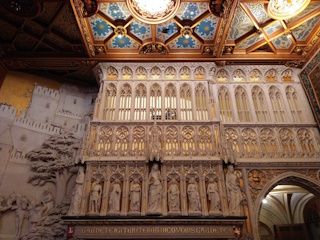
[
  {"x": 223, "y": 191},
  {"x": 125, "y": 192},
  {"x": 183, "y": 190},
  {"x": 144, "y": 191},
  {"x": 86, "y": 190},
  {"x": 164, "y": 190},
  {"x": 202, "y": 186},
  {"x": 105, "y": 196}
]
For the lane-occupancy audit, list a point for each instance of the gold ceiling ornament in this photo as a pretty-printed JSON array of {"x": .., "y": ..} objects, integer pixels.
[
  {"x": 120, "y": 31},
  {"x": 153, "y": 12},
  {"x": 186, "y": 32},
  {"x": 284, "y": 9}
]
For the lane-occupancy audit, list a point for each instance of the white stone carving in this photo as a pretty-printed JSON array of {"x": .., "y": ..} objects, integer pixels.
[
  {"x": 193, "y": 197},
  {"x": 75, "y": 206},
  {"x": 135, "y": 196},
  {"x": 95, "y": 197},
  {"x": 174, "y": 197},
  {"x": 233, "y": 192},
  {"x": 155, "y": 191},
  {"x": 213, "y": 197},
  {"x": 115, "y": 195}
]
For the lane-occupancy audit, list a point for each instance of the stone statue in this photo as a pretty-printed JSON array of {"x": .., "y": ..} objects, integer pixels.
[
  {"x": 155, "y": 191},
  {"x": 35, "y": 213},
  {"x": 213, "y": 197},
  {"x": 95, "y": 197},
  {"x": 20, "y": 214},
  {"x": 48, "y": 202},
  {"x": 115, "y": 195},
  {"x": 75, "y": 206},
  {"x": 174, "y": 197},
  {"x": 233, "y": 192},
  {"x": 135, "y": 195},
  {"x": 193, "y": 196}
]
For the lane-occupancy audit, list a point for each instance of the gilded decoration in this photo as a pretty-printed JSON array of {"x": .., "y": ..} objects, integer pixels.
[{"x": 152, "y": 12}]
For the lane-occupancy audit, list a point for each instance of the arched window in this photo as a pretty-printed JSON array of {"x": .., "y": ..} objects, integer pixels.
[
  {"x": 201, "y": 102},
  {"x": 110, "y": 103},
  {"x": 249, "y": 141},
  {"x": 287, "y": 140},
  {"x": 268, "y": 141},
  {"x": 294, "y": 104},
  {"x": 260, "y": 105},
  {"x": 125, "y": 102},
  {"x": 306, "y": 140},
  {"x": 105, "y": 141},
  {"x": 138, "y": 144},
  {"x": 170, "y": 102},
  {"x": 155, "y": 102},
  {"x": 186, "y": 102},
  {"x": 205, "y": 141},
  {"x": 188, "y": 141},
  {"x": 232, "y": 140},
  {"x": 140, "y": 102},
  {"x": 242, "y": 104},
  {"x": 172, "y": 144},
  {"x": 121, "y": 144},
  {"x": 277, "y": 104},
  {"x": 225, "y": 104}
]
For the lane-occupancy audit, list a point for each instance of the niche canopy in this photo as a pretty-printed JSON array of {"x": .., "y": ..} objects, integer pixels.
[
  {"x": 153, "y": 12},
  {"x": 284, "y": 9}
]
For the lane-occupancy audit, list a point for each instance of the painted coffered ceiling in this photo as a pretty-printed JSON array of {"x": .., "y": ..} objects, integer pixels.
[{"x": 69, "y": 37}]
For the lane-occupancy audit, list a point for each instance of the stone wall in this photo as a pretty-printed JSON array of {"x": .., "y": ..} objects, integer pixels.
[{"x": 50, "y": 112}]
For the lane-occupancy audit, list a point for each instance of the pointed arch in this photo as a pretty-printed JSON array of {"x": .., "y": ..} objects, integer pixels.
[
  {"x": 260, "y": 106},
  {"x": 201, "y": 102},
  {"x": 186, "y": 102},
  {"x": 125, "y": 102},
  {"x": 110, "y": 102},
  {"x": 170, "y": 102},
  {"x": 242, "y": 104},
  {"x": 225, "y": 105}
]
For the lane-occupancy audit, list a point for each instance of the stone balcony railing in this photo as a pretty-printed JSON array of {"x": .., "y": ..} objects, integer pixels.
[{"x": 196, "y": 140}]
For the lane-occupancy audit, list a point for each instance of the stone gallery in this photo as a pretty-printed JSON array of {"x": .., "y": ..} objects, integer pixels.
[{"x": 201, "y": 121}]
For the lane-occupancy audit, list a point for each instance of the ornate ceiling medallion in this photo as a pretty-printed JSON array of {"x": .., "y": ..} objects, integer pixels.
[
  {"x": 153, "y": 12},
  {"x": 284, "y": 9}
]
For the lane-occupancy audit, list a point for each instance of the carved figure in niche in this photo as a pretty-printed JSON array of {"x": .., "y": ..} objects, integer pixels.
[
  {"x": 213, "y": 196},
  {"x": 48, "y": 202},
  {"x": 115, "y": 195},
  {"x": 75, "y": 205},
  {"x": 174, "y": 196},
  {"x": 233, "y": 192},
  {"x": 193, "y": 196},
  {"x": 155, "y": 190},
  {"x": 135, "y": 195},
  {"x": 35, "y": 213},
  {"x": 20, "y": 214},
  {"x": 95, "y": 197}
]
